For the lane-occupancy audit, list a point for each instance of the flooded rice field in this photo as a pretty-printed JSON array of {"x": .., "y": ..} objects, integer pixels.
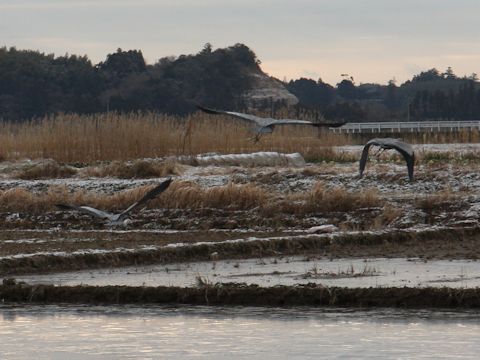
[
  {"x": 273, "y": 271},
  {"x": 261, "y": 234},
  {"x": 123, "y": 332}
]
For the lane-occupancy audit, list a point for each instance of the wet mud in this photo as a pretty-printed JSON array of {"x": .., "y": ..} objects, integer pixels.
[
  {"x": 245, "y": 295},
  {"x": 427, "y": 243}
]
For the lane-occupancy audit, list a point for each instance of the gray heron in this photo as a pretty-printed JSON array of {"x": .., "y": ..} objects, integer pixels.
[
  {"x": 117, "y": 219},
  {"x": 386, "y": 144},
  {"x": 266, "y": 125}
]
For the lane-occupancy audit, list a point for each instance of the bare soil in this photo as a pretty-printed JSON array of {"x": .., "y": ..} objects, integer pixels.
[{"x": 240, "y": 294}]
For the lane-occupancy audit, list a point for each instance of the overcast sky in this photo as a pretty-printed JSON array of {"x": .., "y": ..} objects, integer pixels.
[{"x": 372, "y": 40}]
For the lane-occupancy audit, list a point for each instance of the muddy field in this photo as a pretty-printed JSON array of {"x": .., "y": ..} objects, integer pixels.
[
  {"x": 222, "y": 208},
  {"x": 239, "y": 294}
]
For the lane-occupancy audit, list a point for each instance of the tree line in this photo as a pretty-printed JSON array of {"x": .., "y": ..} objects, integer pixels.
[
  {"x": 34, "y": 84},
  {"x": 430, "y": 95}
]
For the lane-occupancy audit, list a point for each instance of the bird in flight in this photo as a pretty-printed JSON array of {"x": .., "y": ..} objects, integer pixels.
[
  {"x": 117, "y": 219},
  {"x": 386, "y": 144},
  {"x": 266, "y": 125}
]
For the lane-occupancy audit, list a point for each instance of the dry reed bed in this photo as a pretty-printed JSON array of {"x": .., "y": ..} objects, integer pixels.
[
  {"x": 447, "y": 137},
  {"x": 442, "y": 200},
  {"x": 187, "y": 195},
  {"x": 73, "y": 138},
  {"x": 245, "y": 295},
  {"x": 322, "y": 198}
]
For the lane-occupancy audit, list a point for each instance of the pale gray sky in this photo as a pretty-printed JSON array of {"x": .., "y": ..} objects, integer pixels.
[{"x": 372, "y": 40}]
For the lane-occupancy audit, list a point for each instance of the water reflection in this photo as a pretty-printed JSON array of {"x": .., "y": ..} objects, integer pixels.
[{"x": 47, "y": 332}]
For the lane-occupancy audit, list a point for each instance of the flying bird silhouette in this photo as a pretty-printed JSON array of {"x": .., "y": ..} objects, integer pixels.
[
  {"x": 116, "y": 219},
  {"x": 386, "y": 144},
  {"x": 266, "y": 125}
]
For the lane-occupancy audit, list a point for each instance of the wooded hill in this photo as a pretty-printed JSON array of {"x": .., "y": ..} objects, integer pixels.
[{"x": 34, "y": 84}]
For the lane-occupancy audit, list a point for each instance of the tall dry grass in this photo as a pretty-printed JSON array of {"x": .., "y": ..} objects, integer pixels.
[
  {"x": 73, "y": 138},
  {"x": 70, "y": 138},
  {"x": 441, "y": 200},
  {"x": 22, "y": 200},
  {"x": 445, "y": 137},
  {"x": 187, "y": 195},
  {"x": 323, "y": 198},
  {"x": 180, "y": 195}
]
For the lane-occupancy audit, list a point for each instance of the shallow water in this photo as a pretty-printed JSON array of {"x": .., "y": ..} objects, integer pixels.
[
  {"x": 282, "y": 271},
  {"x": 119, "y": 332}
]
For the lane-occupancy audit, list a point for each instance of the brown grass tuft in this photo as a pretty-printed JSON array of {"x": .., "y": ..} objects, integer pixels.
[
  {"x": 389, "y": 214},
  {"x": 188, "y": 195},
  {"x": 136, "y": 169},
  {"x": 439, "y": 201},
  {"x": 47, "y": 170},
  {"x": 325, "y": 199}
]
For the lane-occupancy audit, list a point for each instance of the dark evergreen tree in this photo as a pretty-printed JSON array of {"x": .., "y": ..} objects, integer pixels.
[{"x": 347, "y": 90}]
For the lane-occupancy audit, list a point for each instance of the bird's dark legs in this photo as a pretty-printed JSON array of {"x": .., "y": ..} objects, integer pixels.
[{"x": 256, "y": 138}]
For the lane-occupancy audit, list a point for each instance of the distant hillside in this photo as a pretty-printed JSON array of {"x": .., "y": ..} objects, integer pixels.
[
  {"x": 34, "y": 84},
  {"x": 430, "y": 95}
]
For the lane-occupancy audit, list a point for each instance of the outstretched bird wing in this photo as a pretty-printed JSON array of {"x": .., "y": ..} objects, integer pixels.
[
  {"x": 364, "y": 158},
  {"x": 388, "y": 143},
  {"x": 268, "y": 122},
  {"x": 148, "y": 196},
  {"x": 274, "y": 122},
  {"x": 407, "y": 152},
  {"x": 87, "y": 210},
  {"x": 247, "y": 117}
]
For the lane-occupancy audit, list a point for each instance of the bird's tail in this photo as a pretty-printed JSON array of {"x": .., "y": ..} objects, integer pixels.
[
  {"x": 333, "y": 125},
  {"x": 207, "y": 110},
  {"x": 63, "y": 206}
]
